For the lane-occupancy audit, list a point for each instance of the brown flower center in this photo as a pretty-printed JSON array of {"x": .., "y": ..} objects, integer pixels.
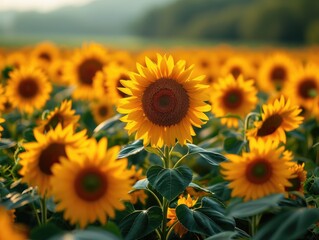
[
  {"x": 258, "y": 171},
  {"x": 103, "y": 111},
  {"x": 165, "y": 102},
  {"x": 51, "y": 155},
  {"x": 296, "y": 184},
  {"x": 90, "y": 184},
  {"x": 307, "y": 88},
  {"x": 87, "y": 70},
  {"x": 270, "y": 125},
  {"x": 204, "y": 64},
  {"x": 278, "y": 74},
  {"x": 45, "y": 56},
  {"x": 233, "y": 99},
  {"x": 236, "y": 71},
  {"x": 28, "y": 88}
]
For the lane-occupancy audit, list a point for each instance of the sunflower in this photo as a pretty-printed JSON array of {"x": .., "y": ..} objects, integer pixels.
[
  {"x": 274, "y": 72},
  {"x": 233, "y": 96},
  {"x": 236, "y": 66},
  {"x": 276, "y": 119},
  {"x": 91, "y": 187},
  {"x": 3, "y": 98},
  {"x": 9, "y": 230},
  {"x": 63, "y": 115},
  {"x": 299, "y": 177},
  {"x": 57, "y": 72},
  {"x": 83, "y": 68},
  {"x": 40, "y": 156},
  {"x": 113, "y": 76},
  {"x": 304, "y": 86},
  {"x": 164, "y": 102},
  {"x": 15, "y": 59},
  {"x": 179, "y": 229},
  {"x": 102, "y": 109},
  {"x": 260, "y": 172},
  {"x": 28, "y": 88},
  {"x": 137, "y": 195},
  {"x": 122, "y": 58},
  {"x": 45, "y": 53}
]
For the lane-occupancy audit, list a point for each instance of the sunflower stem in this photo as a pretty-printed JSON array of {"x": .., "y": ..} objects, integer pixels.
[
  {"x": 254, "y": 222},
  {"x": 180, "y": 160},
  {"x": 246, "y": 124},
  {"x": 171, "y": 229},
  {"x": 44, "y": 211},
  {"x": 154, "y": 195},
  {"x": 36, "y": 214}
]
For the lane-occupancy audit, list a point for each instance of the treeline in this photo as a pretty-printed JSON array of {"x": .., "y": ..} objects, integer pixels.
[{"x": 288, "y": 21}]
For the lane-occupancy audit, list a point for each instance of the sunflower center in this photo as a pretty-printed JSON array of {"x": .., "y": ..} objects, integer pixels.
[
  {"x": 235, "y": 71},
  {"x": 165, "y": 102},
  {"x": 53, "y": 122},
  {"x": 204, "y": 64},
  {"x": 259, "y": 171},
  {"x": 103, "y": 111},
  {"x": 296, "y": 184},
  {"x": 90, "y": 184},
  {"x": 307, "y": 89},
  {"x": 233, "y": 99},
  {"x": 88, "y": 69},
  {"x": 51, "y": 155},
  {"x": 278, "y": 74},
  {"x": 28, "y": 88},
  {"x": 45, "y": 56},
  {"x": 270, "y": 125}
]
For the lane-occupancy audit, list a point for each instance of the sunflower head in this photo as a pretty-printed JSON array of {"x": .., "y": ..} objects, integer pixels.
[
  {"x": 102, "y": 109},
  {"x": 262, "y": 171},
  {"x": 164, "y": 102},
  {"x": 45, "y": 53},
  {"x": 9, "y": 230},
  {"x": 299, "y": 176},
  {"x": 91, "y": 186},
  {"x": 237, "y": 66}
]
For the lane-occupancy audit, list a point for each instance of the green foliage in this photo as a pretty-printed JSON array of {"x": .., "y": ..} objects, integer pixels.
[
  {"x": 169, "y": 182},
  {"x": 213, "y": 158}
]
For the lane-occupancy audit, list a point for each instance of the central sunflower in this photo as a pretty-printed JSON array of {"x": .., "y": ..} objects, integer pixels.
[{"x": 164, "y": 102}]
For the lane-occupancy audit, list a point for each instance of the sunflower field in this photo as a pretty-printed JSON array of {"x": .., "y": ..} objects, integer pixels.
[{"x": 209, "y": 143}]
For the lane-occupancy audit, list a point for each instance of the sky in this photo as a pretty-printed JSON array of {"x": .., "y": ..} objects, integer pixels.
[{"x": 38, "y": 5}]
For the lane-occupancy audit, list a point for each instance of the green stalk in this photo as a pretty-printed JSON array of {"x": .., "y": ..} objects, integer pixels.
[
  {"x": 44, "y": 211},
  {"x": 254, "y": 224}
]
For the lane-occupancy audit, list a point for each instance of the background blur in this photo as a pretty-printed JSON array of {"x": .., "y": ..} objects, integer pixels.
[{"x": 293, "y": 22}]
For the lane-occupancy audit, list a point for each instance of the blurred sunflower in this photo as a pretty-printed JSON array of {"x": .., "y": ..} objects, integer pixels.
[
  {"x": 122, "y": 58},
  {"x": 274, "y": 72},
  {"x": 40, "y": 156},
  {"x": 102, "y": 109},
  {"x": 233, "y": 96},
  {"x": 299, "y": 177},
  {"x": 57, "y": 72},
  {"x": 28, "y": 88},
  {"x": 114, "y": 75},
  {"x": 164, "y": 102},
  {"x": 45, "y": 53},
  {"x": 303, "y": 88},
  {"x": 63, "y": 115},
  {"x": 2, "y": 120},
  {"x": 137, "y": 195},
  {"x": 276, "y": 118},
  {"x": 262, "y": 171},
  {"x": 3, "y": 98},
  {"x": 82, "y": 69},
  {"x": 9, "y": 230},
  {"x": 179, "y": 229},
  {"x": 237, "y": 65},
  {"x": 15, "y": 59},
  {"x": 91, "y": 187}
]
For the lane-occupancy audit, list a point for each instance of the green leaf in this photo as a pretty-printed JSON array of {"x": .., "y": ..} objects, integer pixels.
[
  {"x": 96, "y": 234},
  {"x": 246, "y": 209},
  {"x": 15, "y": 200},
  {"x": 199, "y": 188},
  {"x": 291, "y": 224},
  {"x": 227, "y": 235},
  {"x": 140, "y": 223},
  {"x": 131, "y": 149},
  {"x": 233, "y": 145},
  {"x": 107, "y": 123},
  {"x": 211, "y": 157},
  {"x": 45, "y": 232},
  {"x": 140, "y": 185},
  {"x": 169, "y": 182},
  {"x": 209, "y": 219},
  {"x": 112, "y": 227},
  {"x": 6, "y": 143},
  {"x": 315, "y": 145}
]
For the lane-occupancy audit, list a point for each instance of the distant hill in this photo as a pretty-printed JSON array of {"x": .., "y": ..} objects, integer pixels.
[{"x": 107, "y": 17}]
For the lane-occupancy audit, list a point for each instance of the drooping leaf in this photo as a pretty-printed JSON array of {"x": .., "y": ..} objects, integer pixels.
[
  {"x": 140, "y": 223},
  {"x": 233, "y": 145},
  {"x": 15, "y": 200},
  {"x": 291, "y": 224},
  {"x": 107, "y": 123},
  {"x": 96, "y": 234},
  {"x": 6, "y": 143},
  {"x": 211, "y": 157},
  {"x": 209, "y": 219},
  {"x": 131, "y": 149},
  {"x": 250, "y": 208},
  {"x": 169, "y": 182}
]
